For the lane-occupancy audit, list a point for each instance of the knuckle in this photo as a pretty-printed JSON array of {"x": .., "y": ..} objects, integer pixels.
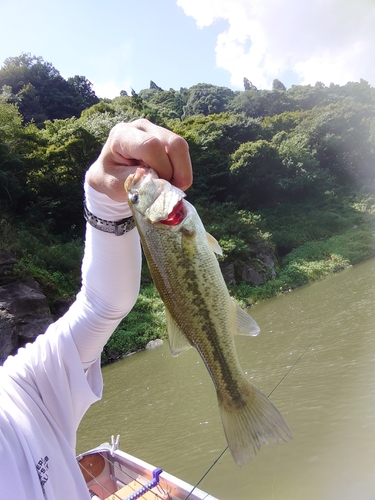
[
  {"x": 152, "y": 143},
  {"x": 178, "y": 144},
  {"x": 140, "y": 123},
  {"x": 117, "y": 127}
]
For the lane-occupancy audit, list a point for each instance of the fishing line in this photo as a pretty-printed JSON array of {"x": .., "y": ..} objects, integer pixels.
[
  {"x": 270, "y": 394},
  {"x": 207, "y": 471},
  {"x": 291, "y": 368}
]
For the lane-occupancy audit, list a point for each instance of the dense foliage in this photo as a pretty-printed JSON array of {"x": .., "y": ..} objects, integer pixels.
[
  {"x": 292, "y": 171},
  {"x": 41, "y": 92}
]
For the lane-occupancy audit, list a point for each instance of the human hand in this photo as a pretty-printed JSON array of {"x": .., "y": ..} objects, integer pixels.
[{"x": 140, "y": 142}]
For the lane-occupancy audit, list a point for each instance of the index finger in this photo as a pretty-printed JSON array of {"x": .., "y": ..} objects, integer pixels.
[{"x": 178, "y": 153}]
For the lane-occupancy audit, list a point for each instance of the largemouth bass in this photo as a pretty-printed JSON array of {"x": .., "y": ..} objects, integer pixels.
[{"x": 199, "y": 309}]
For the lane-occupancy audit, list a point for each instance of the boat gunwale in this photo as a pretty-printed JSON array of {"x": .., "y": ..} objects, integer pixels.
[{"x": 169, "y": 482}]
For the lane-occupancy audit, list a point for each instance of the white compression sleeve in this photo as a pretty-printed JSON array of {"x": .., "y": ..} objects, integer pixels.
[{"x": 110, "y": 279}]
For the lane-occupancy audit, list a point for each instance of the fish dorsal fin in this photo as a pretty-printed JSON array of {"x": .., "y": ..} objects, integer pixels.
[
  {"x": 178, "y": 343},
  {"x": 244, "y": 323},
  {"x": 214, "y": 245}
]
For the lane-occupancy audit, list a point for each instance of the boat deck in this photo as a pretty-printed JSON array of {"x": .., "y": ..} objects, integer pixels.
[{"x": 112, "y": 474}]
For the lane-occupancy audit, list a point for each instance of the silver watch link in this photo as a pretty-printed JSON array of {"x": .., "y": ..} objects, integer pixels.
[{"x": 116, "y": 227}]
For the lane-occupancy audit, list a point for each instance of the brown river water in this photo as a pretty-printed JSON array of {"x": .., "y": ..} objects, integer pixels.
[{"x": 315, "y": 353}]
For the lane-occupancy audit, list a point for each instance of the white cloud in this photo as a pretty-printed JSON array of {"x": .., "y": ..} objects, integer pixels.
[
  {"x": 110, "y": 69},
  {"x": 319, "y": 40},
  {"x": 110, "y": 88}
]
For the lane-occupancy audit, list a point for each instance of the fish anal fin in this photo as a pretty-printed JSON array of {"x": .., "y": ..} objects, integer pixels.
[
  {"x": 178, "y": 343},
  {"x": 251, "y": 425},
  {"x": 244, "y": 324},
  {"x": 214, "y": 244}
]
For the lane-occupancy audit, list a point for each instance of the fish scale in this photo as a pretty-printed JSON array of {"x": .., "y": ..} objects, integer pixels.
[
  {"x": 200, "y": 312},
  {"x": 186, "y": 308}
]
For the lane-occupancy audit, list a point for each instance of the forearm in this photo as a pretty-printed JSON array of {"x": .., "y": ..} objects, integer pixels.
[
  {"x": 110, "y": 279},
  {"x": 111, "y": 266}
]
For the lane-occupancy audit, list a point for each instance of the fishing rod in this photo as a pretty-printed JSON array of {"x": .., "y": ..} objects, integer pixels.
[{"x": 270, "y": 394}]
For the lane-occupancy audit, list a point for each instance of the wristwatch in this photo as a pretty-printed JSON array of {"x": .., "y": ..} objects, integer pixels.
[{"x": 118, "y": 228}]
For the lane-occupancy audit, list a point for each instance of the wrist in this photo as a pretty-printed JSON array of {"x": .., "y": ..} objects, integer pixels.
[
  {"x": 104, "y": 207},
  {"x": 105, "y": 214}
]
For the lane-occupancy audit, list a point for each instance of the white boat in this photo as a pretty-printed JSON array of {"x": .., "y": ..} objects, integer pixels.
[{"x": 112, "y": 474}]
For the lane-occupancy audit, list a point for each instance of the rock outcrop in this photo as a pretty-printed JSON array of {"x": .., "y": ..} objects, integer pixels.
[
  {"x": 24, "y": 310},
  {"x": 153, "y": 344},
  {"x": 257, "y": 271}
]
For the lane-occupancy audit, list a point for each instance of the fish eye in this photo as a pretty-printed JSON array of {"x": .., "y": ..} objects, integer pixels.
[{"x": 134, "y": 197}]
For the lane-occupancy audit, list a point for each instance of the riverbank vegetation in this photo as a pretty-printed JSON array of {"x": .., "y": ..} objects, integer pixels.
[{"x": 283, "y": 178}]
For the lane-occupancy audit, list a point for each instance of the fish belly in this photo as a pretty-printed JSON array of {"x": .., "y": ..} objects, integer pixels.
[{"x": 189, "y": 281}]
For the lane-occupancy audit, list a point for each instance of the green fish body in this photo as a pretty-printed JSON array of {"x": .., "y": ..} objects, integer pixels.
[{"x": 200, "y": 312}]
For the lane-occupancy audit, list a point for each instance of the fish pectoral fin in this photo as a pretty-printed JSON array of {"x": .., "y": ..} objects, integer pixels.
[
  {"x": 177, "y": 340},
  {"x": 244, "y": 324},
  {"x": 214, "y": 244}
]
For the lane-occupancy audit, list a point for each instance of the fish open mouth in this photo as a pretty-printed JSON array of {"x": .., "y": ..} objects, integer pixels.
[{"x": 176, "y": 216}]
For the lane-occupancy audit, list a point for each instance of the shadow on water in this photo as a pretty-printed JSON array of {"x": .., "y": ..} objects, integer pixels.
[{"x": 165, "y": 408}]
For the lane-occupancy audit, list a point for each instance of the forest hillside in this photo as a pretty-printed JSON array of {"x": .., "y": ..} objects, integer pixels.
[{"x": 283, "y": 178}]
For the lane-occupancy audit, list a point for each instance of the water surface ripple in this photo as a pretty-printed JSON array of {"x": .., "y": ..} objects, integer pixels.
[{"x": 165, "y": 408}]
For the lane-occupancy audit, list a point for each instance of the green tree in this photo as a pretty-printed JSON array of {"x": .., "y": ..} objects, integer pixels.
[
  {"x": 167, "y": 103},
  {"x": 306, "y": 97},
  {"x": 56, "y": 173},
  {"x": 277, "y": 85},
  {"x": 16, "y": 142},
  {"x": 255, "y": 174},
  {"x": 248, "y": 85},
  {"x": 342, "y": 138},
  {"x": 43, "y": 93},
  {"x": 260, "y": 103},
  {"x": 212, "y": 139},
  {"x": 205, "y": 99},
  {"x": 10, "y": 126},
  {"x": 361, "y": 91},
  {"x": 154, "y": 86},
  {"x": 284, "y": 122},
  {"x": 303, "y": 177},
  {"x": 83, "y": 88}
]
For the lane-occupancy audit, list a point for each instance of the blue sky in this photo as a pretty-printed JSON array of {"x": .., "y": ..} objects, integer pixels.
[{"x": 119, "y": 44}]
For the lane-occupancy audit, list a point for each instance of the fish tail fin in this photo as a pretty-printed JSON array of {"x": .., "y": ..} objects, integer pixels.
[{"x": 252, "y": 424}]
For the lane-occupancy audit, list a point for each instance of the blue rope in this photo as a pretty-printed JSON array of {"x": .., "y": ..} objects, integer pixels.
[{"x": 148, "y": 486}]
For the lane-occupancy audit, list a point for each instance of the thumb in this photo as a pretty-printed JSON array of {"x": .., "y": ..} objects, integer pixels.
[{"x": 110, "y": 183}]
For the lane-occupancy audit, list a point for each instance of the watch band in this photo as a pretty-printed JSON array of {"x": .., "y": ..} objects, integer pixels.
[{"x": 118, "y": 228}]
